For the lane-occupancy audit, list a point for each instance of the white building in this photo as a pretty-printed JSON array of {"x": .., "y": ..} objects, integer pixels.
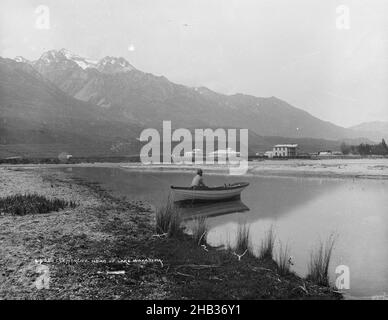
[
  {"x": 268, "y": 154},
  {"x": 325, "y": 153},
  {"x": 193, "y": 153},
  {"x": 285, "y": 150},
  {"x": 225, "y": 154},
  {"x": 63, "y": 156},
  {"x": 188, "y": 157}
]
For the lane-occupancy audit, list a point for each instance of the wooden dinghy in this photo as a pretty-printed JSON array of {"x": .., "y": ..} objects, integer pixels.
[{"x": 226, "y": 192}]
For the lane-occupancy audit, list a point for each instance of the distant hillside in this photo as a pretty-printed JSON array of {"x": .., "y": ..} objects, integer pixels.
[
  {"x": 35, "y": 111},
  {"x": 114, "y": 84},
  {"x": 66, "y": 103},
  {"x": 377, "y": 130}
]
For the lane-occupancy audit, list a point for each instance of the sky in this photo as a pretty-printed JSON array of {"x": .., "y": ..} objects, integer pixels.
[{"x": 327, "y": 57}]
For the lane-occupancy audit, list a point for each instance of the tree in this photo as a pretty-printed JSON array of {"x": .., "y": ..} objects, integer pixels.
[
  {"x": 365, "y": 149},
  {"x": 381, "y": 148},
  {"x": 384, "y": 144},
  {"x": 345, "y": 149}
]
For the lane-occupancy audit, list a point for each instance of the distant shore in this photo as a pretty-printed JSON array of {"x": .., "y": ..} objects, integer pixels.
[
  {"x": 326, "y": 168},
  {"x": 106, "y": 248}
]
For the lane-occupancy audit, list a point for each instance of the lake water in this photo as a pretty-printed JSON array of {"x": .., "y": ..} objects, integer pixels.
[{"x": 303, "y": 211}]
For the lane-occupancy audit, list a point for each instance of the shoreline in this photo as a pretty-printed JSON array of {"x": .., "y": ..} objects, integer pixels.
[
  {"x": 106, "y": 248},
  {"x": 329, "y": 168}
]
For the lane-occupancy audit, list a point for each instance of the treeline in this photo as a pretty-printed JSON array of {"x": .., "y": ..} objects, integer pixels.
[{"x": 365, "y": 149}]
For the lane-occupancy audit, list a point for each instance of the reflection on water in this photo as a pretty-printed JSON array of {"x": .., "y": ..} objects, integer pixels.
[
  {"x": 209, "y": 209},
  {"x": 303, "y": 212}
]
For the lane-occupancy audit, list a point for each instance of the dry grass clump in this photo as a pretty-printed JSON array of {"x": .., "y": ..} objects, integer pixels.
[
  {"x": 200, "y": 230},
  {"x": 243, "y": 242},
  {"x": 283, "y": 260},
  {"x": 168, "y": 220},
  {"x": 267, "y": 245},
  {"x": 20, "y": 205},
  {"x": 318, "y": 268}
]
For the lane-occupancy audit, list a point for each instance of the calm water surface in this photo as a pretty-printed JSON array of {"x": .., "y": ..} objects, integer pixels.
[{"x": 302, "y": 210}]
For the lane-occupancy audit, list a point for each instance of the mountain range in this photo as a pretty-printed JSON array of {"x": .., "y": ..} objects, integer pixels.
[
  {"x": 63, "y": 101},
  {"x": 375, "y": 130}
]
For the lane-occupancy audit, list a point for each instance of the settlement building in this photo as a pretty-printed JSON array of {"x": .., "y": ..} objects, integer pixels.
[
  {"x": 224, "y": 154},
  {"x": 285, "y": 150}
]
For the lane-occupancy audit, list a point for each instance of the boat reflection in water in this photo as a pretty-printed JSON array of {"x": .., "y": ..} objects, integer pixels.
[{"x": 191, "y": 211}]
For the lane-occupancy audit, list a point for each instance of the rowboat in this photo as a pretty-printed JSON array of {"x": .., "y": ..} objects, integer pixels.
[{"x": 226, "y": 192}]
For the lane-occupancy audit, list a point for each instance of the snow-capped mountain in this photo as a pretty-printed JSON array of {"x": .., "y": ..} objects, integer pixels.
[
  {"x": 54, "y": 60},
  {"x": 114, "y": 65},
  {"x": 82, "y": 62},
  {"x": 80, "y": 76},
  {"x": 132, "y": 95},
  {"x": 34, "y": 111},
  {"x": 67, "y": 59},
  {"x": 64, "y": 57},
  {"x": 22, "y": 60}
]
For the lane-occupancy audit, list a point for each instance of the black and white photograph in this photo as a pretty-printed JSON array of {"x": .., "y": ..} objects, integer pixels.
[{"x": 172, "y": 151}]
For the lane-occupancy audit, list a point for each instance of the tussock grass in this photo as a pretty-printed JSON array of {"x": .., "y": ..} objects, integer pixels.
[
  {"x": 228, "y": 245},
  {"x": 283, "y": 259},
  {"x": 168, "y": 220},
  {"x": 267, "y": 245},
  {"x": 318, "y": 268},
  {"x": 20, "y": 205},
  {"x": 243, "y": 241},
  {"x": 200, "y": 230}
]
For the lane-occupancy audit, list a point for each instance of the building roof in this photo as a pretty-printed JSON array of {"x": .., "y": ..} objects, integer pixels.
[
  {"x": 286, "y": 146},
  {"x": 222, "y": 151}
]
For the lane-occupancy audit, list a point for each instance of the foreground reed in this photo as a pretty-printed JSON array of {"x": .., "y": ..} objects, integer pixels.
[
  {"x": 267, "y": 245},
  {"x": 318, "y": 268},
  {"x": 243, "y": 242},
  {"x": 20, "y": 205},
  {"x": 283, "y": 259},
  {"x": 168, "y": 220},
  {"x": 200, "y": 230}
]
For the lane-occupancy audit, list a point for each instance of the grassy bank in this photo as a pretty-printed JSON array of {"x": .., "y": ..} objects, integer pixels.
[
  {"x": 262, "y": 266},
  {"x": 110, "y": 248},
  {"x": 23, "y": 204}
]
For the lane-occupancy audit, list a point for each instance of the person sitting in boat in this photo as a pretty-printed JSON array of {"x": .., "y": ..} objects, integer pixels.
[{"x": 198, "y": 180}]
